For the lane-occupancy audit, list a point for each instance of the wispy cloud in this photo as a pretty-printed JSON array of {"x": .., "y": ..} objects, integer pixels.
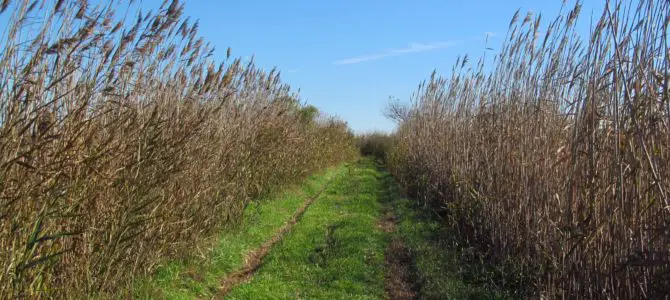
[{"x": 412, "y": 48}]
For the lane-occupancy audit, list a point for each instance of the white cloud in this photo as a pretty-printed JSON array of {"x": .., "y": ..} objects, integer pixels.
[{"x": 411, "y": 48}]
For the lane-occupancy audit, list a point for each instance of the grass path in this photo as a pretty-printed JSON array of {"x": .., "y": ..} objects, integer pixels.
[
  {"x": 254, "y": 259},
  {"x": 200, "y": 276},
  {"x": 358, "y": 239},
  {"x": 335, "y": 252}
]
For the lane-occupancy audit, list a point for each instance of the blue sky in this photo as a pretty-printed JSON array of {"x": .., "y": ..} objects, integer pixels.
[{"x": 348, "y": 56}]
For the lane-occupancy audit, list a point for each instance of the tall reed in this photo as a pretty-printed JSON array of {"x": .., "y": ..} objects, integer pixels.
[
  {"x": 123, "y": 143},
  {"x": 375, "y": 144},
  {"x": 554, "y": 164}
]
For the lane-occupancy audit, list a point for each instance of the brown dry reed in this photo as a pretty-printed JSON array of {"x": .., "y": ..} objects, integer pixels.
[
  {"x": 554, "y": 164},
  {"x": 123, "y": 143},
  {"x": 375, "y": 144}
]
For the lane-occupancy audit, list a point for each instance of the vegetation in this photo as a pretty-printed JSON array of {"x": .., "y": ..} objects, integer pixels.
[
  {"x": 339, "y": 247},
  {"x": 444, "y": 267},
  {"x": 553, "y": 165},
  {"x": 335, "y": 252},
  {"x": 200, "y": 276},
  {"x": 129, "y": 158},
  {"x": 123, "y": 143},
  {"x": 375, "y": 144}
]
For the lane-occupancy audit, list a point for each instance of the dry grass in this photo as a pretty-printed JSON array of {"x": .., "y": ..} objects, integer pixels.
[
  {"x": 122, "y": 143},
  {"x": 555, "y": 164}
]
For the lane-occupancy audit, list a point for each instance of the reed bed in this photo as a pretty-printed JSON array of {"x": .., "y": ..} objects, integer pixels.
[
  {"x": 123, "y": 143},
  {"x": 553, "y": 164},
  {"x": 374, "y": 144}
]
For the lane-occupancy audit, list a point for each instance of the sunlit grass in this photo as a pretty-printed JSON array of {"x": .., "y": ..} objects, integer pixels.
[
  {"x": 334, "y": 252},
  {"x": 201, "y": 277}
]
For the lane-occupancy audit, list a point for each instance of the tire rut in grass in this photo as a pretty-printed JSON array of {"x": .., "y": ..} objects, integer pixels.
[
  {"x": 254, "y": 259},
  {"x": 400, "y": 280}
]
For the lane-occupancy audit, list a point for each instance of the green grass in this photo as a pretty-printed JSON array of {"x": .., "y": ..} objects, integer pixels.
[
  {"x": 198, "y": 277},
  {"x": 441, "y": 272},
  {"x": 334, "y": 252}
]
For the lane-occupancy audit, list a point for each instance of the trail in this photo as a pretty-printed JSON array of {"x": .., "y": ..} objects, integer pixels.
[
  {"x": 255, "y": 258},
  {"x": 335, "y": 251},
  {"x": 399, "y": 278},
  {"x": 355, "y": 237}
]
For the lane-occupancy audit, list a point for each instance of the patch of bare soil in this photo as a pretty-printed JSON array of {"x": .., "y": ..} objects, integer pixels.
[
  {"x": 400, "y": 281},
  {"x": 387, "y": 223}
]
